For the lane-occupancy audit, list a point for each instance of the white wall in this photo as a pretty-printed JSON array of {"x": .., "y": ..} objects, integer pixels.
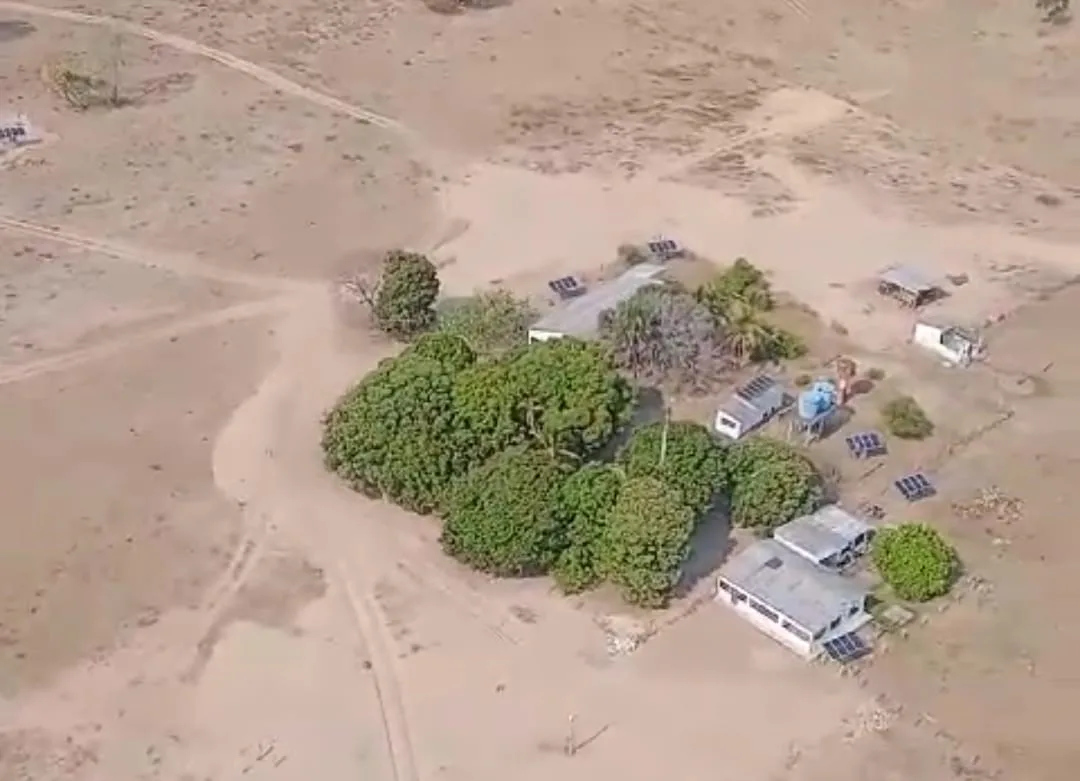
[
  {"x": 538, "y": 335},
  {"x": 804, "y": 648}
]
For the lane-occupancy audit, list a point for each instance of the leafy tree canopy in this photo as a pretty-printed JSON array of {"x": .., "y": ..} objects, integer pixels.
[
  {"x": 693, "y": 461},
  {"x": 502, "y": 517},
  {"x": 742, "y": 281},
  {"x": 585, "y": 503},
  {"x": 404, "y": 304},
  {"x": 647, "y": 541},
  {"x": 490, "y": 322},
  {"x": 663, "y": 334},
  {"x": 915, "y": 561},
  {"x": 395, "y": 434},
  {"x": 563, "y": 394},
  {"x": 771, "y": 483}
]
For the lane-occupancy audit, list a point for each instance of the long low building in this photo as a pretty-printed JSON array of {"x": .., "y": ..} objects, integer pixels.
[
  {"x": 580, "y": 317},
  {"x": 790, "y": 599}
]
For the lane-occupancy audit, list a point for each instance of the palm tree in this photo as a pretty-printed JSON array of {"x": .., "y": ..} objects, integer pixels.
[{"x": 747, "y": 334}]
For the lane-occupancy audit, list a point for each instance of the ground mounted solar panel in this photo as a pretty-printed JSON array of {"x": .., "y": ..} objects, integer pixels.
[
  {"x": 846, "y": 648},
  {"x": 664, "y": 248},
  {"x": 866, "y": 444},
  {"x": 915, "y": 486},
  {"x": 566, "y": 287}
]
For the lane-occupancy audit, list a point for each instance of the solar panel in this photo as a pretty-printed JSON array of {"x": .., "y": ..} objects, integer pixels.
[
  {"x": 566, "y": 287},
  {"x": 866, "y": 444},
  {"x": 664, "y": 248},
  {"x": 915, "y": 486},
  {"x": 846, "y": 648},
  {"x": 755, "y": 387}
]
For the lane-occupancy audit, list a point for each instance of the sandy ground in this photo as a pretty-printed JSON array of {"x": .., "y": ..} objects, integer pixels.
[{"x": 185, "y": 593}]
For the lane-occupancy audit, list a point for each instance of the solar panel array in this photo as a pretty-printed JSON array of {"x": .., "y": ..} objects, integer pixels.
[
  {"x": 755, "y": 387},
  {"x": 866, "y": 444},
  {"x": 664, "y": 248},
  {"x": 846, "y": 648},
  {"x": 915, "y": 486},
  {"x": 566, "y": 287}
]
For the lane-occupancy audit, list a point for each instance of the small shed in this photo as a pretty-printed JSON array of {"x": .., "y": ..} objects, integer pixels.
[
  {"x": 907, "y": 285},
  {"x": 749, "y": 406},
  {"x": 580, "y": 317},
  {"x": 954, "y": 344},
  {"x": 831, "y": 537},
  {"x": 790, "y": 599}
]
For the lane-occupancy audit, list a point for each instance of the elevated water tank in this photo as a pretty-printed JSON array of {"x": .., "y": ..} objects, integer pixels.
[{"x": 817, "y": 400}]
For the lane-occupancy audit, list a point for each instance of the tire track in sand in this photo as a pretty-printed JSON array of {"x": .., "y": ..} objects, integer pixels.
[
  {"x": 69, "y": 360},
  {"x": 257, "y": 72}
]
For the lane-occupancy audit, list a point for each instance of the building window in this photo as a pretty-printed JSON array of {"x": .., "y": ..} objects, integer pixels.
[
  {"x": 855, "y": 609},
  {"x": 836, "y": 622},
  {"x": 764, "y": 611},
  {"x": 724, "y": 586},
  {"x": 792, "y": 629}
]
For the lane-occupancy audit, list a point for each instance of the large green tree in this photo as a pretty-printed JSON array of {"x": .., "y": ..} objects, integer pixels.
[
  {"x": 491, "y": 322},
  {"x": 646, "y": 541},
  {"x": 404, "y": 303},
  {"x": 772, "y": 483},
  {"x": 396, "y": 433},
  {"x": 585, "y": 503},
  {"x": 502, "y": 518},
  {"x": 564, "y": 395},
  {"x": 684, "y": 455}
]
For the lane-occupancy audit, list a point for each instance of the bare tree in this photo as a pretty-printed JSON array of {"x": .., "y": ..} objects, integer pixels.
[{"x": 664, "y": 335}]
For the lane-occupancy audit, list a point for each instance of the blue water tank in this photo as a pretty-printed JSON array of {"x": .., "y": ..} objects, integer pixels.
[{"x": 816, "y": 400}]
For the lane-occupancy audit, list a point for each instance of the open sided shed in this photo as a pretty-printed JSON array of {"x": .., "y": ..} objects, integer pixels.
[
  {"x": 907, "y": 285},
  {"x": 580, "y": 317}
]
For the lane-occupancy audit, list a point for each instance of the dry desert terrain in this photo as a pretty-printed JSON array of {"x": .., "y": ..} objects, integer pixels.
[{"x": 186, "y": 595}]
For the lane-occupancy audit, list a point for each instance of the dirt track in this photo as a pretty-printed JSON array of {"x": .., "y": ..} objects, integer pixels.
[{"x": 372, "y": 654}]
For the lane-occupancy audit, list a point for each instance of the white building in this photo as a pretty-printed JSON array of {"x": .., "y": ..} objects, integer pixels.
[
  {"x": 953, "y": 344},
  {"x": 749, "y": 406},
  {"x": 791, "y": 600},
  {"x": 580, "y": 317},
  {"x": 831, "y": 537}
]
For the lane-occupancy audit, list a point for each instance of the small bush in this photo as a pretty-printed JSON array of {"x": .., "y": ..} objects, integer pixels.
[
  {"x": 803, "y": 380},
  {"x": 741, "y": 282},
  {"x": 633, "y": 255},
  {"x": 915, "y": 561},
  {"x": 875, "y": 374},
  {"x": 904, "y": 418}
]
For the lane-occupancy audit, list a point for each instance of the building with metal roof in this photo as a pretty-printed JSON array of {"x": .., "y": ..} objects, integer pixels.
[
  {"x": 831, "y": 537},
  {"x": 750, "y": 405},
  {"x": 791, "y": 599},
  {"x": 580, "y": 316}
]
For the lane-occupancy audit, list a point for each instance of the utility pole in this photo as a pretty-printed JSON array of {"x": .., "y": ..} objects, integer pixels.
[{"x": 664, "y": 434}]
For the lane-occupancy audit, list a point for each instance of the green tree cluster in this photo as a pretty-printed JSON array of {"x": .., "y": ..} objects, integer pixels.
[
  {"x": 490, "y": 323},
  {"x": 915, "y": 561},
  {"x": 404, "y": 302},
  {"x": 772, "y": 483},
  {"x": 738, "y": 297}
]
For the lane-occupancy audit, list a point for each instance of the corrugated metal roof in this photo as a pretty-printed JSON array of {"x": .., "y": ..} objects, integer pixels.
[
  {"x": 581, "y": 316},
  {"x": 791, "y": 585},
  {"x": 907, "y": 278},
  {"x": 823, "y": 533}
]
